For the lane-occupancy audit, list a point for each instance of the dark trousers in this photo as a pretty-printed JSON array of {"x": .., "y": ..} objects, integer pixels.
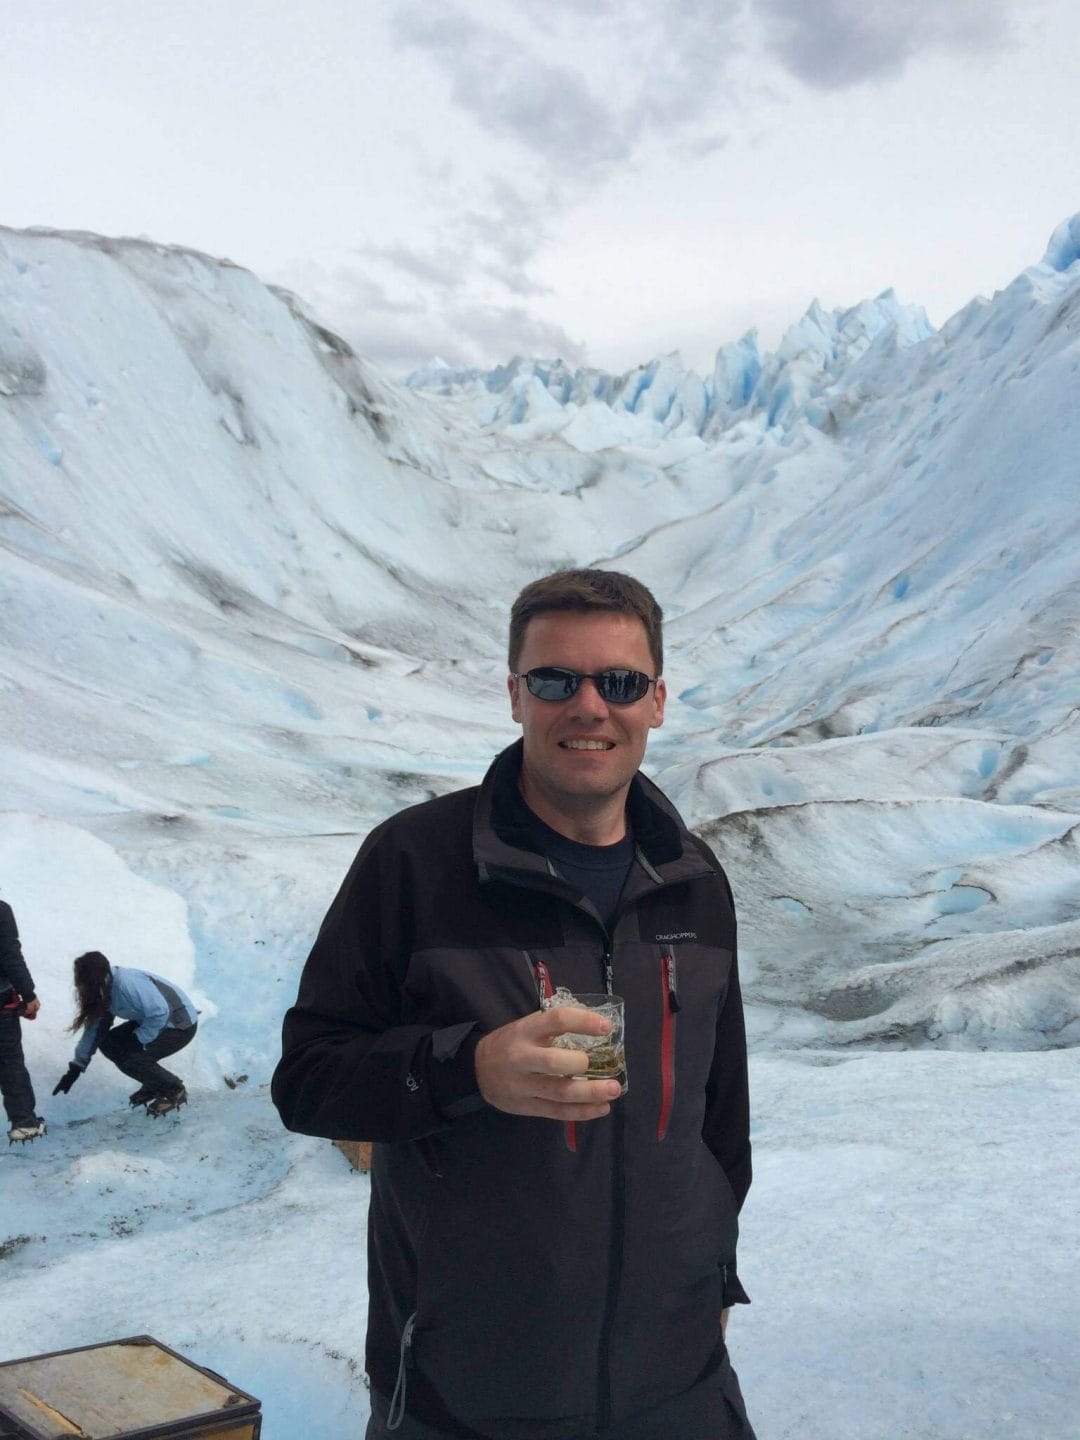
[
  {"x": 15, "y": 1084},
  {"x": 712, "y": 1409},
  {"x": 141, "y": 1061}
]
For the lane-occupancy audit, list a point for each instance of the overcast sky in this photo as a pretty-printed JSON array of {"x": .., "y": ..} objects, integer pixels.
[{"x": 604, "y": 180}]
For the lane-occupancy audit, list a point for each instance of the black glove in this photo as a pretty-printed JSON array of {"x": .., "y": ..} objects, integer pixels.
[{"x": 66, "y": 1081}]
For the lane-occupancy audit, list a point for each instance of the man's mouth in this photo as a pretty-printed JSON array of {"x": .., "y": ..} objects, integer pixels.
[{"x": 587, "y": 744}]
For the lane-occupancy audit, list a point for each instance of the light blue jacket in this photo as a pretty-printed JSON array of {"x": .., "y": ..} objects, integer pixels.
[{"x": 141, "y": 996}]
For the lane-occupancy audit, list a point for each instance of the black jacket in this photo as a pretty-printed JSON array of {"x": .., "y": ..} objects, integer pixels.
[
  {"x": 13, "y": 972},
  {"x": 560, "y": 1279}
]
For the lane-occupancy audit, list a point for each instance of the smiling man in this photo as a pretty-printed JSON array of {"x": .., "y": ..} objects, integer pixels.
[{"x": 549, "y": 1258}]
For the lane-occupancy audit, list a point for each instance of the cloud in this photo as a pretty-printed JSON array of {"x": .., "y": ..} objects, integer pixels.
[
  {"x": 508, "y": 233},
  {"x": 509, "y": 330},
  {"x": 653, "y": 71},
  {"x": 513, "y": 92},
  {"x": 704, "y": 146},
  {"x": 440, "y": 268},
  {"x": 316, "y": 284},
  {"x": 496, "y": 239},
  {"x": 685, "y": 65},
  {"x": 646, "y": 69},
  {"x": 838, "y": 43}
]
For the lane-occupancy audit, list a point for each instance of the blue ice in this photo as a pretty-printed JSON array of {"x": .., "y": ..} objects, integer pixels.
[
  {"x": 780, "y": 397},
  {"x": 791, "y": 905},
  {"x": 1063, "y": 250},
  {"x": 631, "y": 400},
  {"x": 697, "y": 695},
  {"x": 301, "y": 704},
  {"x": 962, "y": 899},
  {"x": 50, "y": 450}
]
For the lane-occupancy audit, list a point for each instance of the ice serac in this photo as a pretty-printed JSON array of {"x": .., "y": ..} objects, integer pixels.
[
  {"x": 735, "y": 374},
  {"x": 253, "y": 599},
  {"x": 1063, "y": 250}
]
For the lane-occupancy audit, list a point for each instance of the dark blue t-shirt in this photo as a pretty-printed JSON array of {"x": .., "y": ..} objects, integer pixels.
[{"x": 598, "y": 871}]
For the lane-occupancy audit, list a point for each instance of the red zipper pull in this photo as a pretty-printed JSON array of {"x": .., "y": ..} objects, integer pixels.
[
  {"x": 543, "y": 981},
  {"x": 669, "y": 989},
  {"x": 672, "y": 986}
]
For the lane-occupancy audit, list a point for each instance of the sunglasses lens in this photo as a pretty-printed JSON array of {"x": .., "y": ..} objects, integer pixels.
[
  {"x": 552, "y": 683},
  {"x": 622, "y": 687}
]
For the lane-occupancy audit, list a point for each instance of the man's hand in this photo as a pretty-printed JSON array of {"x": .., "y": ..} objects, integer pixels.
[
  {"x": 31, "y": 1008},
  {"x": 724, "y": 1314},
  {"x": 518, "y": 1070}
]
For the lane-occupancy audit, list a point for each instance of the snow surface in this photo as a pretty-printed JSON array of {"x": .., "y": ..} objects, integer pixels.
[
  {"x": 253, "y": 599},
  {"x": 910, "y": 1244}
]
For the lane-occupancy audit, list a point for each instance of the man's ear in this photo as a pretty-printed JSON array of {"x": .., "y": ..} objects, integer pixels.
[
  {"x": 514, "y": 687},
  {"x": 659, "y": 700}
]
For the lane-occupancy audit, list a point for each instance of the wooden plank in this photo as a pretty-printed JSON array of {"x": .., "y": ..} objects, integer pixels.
[
  {"x": 357, "y": 1152},
  {"x": 63, "y": 1424}
]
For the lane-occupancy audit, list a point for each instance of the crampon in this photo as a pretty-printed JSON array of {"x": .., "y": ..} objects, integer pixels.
[
  {"x": 164, "y": 1104},
  {"x": 26, "y": 1130}
]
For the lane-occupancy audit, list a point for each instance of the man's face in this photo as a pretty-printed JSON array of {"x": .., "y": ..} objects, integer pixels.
[{"x": 558, "y": 764}]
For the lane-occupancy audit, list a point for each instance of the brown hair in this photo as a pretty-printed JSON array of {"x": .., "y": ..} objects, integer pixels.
[
  {"x": 585, "y": 590},
  {"x": 93, "y": 982}
]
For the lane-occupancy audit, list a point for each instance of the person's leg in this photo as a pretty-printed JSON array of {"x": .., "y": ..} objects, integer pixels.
[
  {"x": 15, "y": 1085},
  {"x": 167, "y": 1043},
  {"x": 121, "y": 1046}
]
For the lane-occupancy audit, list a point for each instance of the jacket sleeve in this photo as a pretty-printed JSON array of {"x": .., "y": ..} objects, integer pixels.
[
  {"x": 90, "y": 1040},
  {"x": 353, "y": 1066},
  {"x": 726, "y": 1129},
  {"x": 13, "y": 971}
]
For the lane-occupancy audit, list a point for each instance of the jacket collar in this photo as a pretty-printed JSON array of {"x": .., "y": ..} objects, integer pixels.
[{"x": 504, "y": 835}]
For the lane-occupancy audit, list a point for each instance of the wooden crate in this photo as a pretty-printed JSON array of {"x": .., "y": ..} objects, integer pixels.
[
  {"x": 358, "y": 1154},
  {"x": 130, "y": 1389}
]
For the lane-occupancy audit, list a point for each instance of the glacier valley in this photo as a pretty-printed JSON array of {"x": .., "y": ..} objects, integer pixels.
[{"x": 252, "y": 600}]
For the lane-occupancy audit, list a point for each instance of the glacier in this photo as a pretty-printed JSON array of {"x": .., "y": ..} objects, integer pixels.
[{"x": 252, "y": 600}]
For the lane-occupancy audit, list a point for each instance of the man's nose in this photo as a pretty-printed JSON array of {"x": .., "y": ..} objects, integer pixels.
[{"x": 587, "y": 701}]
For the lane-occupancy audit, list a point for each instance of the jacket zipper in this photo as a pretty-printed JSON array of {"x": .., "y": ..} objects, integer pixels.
[
  {"x": 669, "y": 1006},
  {"x": 618, "y": 1226}
]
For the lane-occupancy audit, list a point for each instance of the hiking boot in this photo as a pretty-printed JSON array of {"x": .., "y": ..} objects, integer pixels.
[
  {"x": 162, "y": 1104},
  {"x": 26, "y": 1130},
  {"x": 142, "y": 1096}
]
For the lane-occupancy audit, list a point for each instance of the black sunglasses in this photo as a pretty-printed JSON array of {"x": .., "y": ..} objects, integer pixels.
[{"x": 615, "y": 687}]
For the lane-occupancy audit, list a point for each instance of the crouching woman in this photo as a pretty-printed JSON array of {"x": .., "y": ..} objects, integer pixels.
[{"x": 159, "y": 1020}]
